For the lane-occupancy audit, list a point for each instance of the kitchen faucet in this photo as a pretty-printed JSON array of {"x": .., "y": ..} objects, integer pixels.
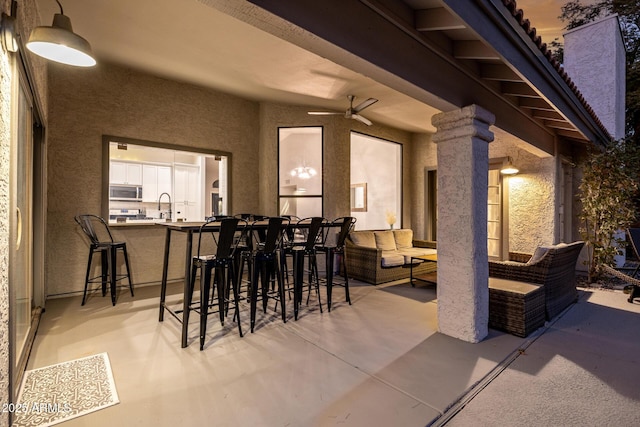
[{"x": 169, "y": 212}]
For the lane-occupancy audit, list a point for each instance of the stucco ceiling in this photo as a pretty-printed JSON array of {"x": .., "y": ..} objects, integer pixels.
[{"x": 191, "y": 42}]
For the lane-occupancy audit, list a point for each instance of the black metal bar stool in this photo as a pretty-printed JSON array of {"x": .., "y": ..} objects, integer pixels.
[
  {"x": 346, "y": 224},
  {"x": 311, "y": 228},
  {"x": 102, "y": 241},
  {"x": 222, "y": 267},
  {"x": 263, "y": 266}
]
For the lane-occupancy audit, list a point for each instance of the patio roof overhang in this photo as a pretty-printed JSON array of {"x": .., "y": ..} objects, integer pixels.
[{"x": 445, "y": 53}]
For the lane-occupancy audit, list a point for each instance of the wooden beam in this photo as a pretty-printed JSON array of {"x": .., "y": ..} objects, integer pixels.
[
  {"x": 535, "y": 104},
  {"x": 573, "y": 134},
  {"x": 498, "y": 72},
  {"x": 473, "y": 49},
  {"x": 519, "y": 90},
  {"x": 559, "y": 125},
  {"x": 548, "y": 115},
  {"x": 437, "y": 19}
]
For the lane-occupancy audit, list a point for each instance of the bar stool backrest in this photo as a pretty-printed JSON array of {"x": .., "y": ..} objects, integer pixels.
[
  {"x": 95, "y": 228},
  {"x": 227, "y": 237},
  {"x": 348, "y": 223},
  {"x": 313, "y": 230},
  {"x": 274, "y": 234},
  {"x": 225, "y": 240},
  {"x": 290, "y": 232}
]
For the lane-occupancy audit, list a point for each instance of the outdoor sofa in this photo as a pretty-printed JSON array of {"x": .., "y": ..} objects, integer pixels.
[{"x": 379, "y": 256}]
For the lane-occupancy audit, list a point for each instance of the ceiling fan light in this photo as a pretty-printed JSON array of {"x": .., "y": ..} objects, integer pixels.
[{"x": 60, "y": 44}]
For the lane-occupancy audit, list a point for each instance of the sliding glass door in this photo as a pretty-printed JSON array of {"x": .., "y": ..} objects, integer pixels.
[{"x": 21, "y": 248}]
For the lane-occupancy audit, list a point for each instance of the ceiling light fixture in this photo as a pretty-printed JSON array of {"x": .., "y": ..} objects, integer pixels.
[
  {"x": 303, "y": 172},
  {"x": 60, "y": 44},
  {"x": 509, "y": 168}
]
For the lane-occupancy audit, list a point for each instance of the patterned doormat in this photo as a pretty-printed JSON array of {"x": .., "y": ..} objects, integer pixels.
[{"x": 57, "y": 393}]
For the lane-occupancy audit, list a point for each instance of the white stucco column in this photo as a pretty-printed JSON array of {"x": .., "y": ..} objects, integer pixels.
[{"x": 463, "y": 138}]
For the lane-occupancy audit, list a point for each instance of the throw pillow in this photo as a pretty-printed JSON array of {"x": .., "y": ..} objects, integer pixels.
[
  {"x": 538, "y": 254},
  {"x": 404, "y": 238},
  {"x": 385, "y": 240},
  {"x": 363, "y": 238}
]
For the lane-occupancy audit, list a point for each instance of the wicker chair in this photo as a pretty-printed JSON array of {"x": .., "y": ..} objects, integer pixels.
[{"x": 554, "y": 267}]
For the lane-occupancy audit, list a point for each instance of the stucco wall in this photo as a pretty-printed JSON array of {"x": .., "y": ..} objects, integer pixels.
[
  {"x": 423, "y": 156},
  {"x": 89, "y": 103},
  {"x": 595, "y": 59},
  {"x": 5, "y": 140},
  {"x": 532, "y": 197}
]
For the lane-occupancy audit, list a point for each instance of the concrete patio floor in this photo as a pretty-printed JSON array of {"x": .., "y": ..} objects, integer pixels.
[{"x": 379, "y": 362}]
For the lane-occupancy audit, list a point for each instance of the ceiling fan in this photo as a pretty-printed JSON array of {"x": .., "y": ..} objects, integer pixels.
[{"x": 352, "y": 112}]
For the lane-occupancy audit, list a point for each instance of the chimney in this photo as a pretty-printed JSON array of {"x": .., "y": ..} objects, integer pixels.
[{"x": 594, "y": 58}]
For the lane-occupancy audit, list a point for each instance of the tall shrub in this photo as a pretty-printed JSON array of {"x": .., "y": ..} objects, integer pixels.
[{"x": 608, "y": 194}]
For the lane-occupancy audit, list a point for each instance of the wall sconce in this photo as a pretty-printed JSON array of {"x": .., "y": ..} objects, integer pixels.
[
  {"x": 60, "y": 44},
  {"x": 8, "y": 30},
  {"x": 508, "y": 168}
]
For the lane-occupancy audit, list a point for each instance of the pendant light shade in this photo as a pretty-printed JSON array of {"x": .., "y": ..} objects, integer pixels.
[
  {"x": 508, "y": 168},
  {"x": 59, "y": 43}
]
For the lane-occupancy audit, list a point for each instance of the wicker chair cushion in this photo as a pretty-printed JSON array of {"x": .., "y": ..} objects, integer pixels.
[
  {"x": 391, "y": 259},
  {"x": 385, "y": 240},
  {"x": 404, "y": 238},
  {"x": 541, "y": 251},
  {"x": 538, "y": 254},
  {"x": 363, "y": 238}
]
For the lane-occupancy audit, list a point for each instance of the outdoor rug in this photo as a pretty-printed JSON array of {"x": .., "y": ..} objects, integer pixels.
[{"x": 57, "y": 393}]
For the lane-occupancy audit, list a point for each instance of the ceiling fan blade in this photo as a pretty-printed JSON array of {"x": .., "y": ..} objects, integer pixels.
[
  {"x": 364, "y": 104},
  {"x": 324, "y": 113},
  {"x": 361, "y": 119}
]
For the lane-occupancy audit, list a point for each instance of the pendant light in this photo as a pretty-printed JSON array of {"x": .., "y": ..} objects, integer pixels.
[
  {"x": 509, "y": 168},
  {"x": 303, "y": 172},
  {"x": 60, "y": 44}
]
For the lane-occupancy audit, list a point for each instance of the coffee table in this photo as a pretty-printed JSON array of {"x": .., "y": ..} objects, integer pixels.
[{"x": 431, "y": 277}]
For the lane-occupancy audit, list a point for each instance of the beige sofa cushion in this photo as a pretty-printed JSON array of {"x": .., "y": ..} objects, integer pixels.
[
  {"x": 363, "y": 238},
  {"x": 404, "y": 238},
  {"x": 391, "y": 259},
  {"x": 412, "y": 252},
  {"x": 385, "y": 240}
]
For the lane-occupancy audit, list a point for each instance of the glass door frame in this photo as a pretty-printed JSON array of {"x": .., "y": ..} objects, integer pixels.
[{"x": 29, "y": 132}]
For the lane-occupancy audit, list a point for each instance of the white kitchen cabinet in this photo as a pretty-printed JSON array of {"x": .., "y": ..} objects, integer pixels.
[
  {"x": 164, "y": 180},
  {"x": 155, "y": 181},
  {"x": 125, "y": 173},
  {"x": 187, "y": 190}
]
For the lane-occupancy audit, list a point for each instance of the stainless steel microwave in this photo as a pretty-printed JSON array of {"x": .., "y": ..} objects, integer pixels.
[{"x": 125, "y": 192}]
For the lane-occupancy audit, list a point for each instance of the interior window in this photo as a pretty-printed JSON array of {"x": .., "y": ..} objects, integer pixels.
[
  {"x": 300, "y": 171},
  {"x": 376, "y": 167},
  {"x": 151, "y": 182}
]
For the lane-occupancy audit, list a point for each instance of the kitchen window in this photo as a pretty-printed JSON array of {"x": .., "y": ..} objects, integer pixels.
[{"x": 149, "y": 182}]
